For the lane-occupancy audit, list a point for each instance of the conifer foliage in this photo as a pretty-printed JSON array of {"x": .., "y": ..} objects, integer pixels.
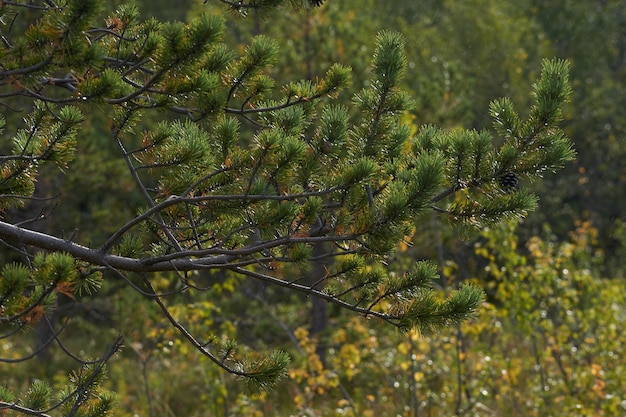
[{"x": 242, "y": 176}]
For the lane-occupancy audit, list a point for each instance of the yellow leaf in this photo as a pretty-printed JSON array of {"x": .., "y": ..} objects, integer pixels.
[
  {"x": 343, "y": 403},
  {"x": 596, "y": 369}
]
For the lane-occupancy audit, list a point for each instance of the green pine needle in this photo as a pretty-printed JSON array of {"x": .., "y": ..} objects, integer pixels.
[
  {"x": 263, "y": 374},
  {"x": 38, "y": 396}
]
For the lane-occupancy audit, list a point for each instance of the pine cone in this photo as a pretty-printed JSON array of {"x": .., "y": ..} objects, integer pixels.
[{"x": 509, "y": 182}]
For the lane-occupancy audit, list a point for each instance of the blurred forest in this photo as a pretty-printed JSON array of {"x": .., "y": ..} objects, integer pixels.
[{"x": 549, "y": 339}]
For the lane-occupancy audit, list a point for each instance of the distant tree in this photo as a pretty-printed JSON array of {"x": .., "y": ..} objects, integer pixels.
[
  {"x": 575, "y": 29},
  {"x": 240, "y": 177}
]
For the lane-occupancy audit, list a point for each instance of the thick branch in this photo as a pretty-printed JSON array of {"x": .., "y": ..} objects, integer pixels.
[
  {"x": 51, "y": 243},
  {"x": 189, "y": 260}
]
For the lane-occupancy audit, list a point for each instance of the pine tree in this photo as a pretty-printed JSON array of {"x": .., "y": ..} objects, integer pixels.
[{"x": 241, "y": 176}]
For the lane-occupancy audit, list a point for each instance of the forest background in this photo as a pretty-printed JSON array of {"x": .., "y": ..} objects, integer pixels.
[{"x": 547, "y": 341}]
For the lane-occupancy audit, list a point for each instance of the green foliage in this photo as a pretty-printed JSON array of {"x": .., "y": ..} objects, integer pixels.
[
  {"x": 81, "y": 396},
  {"x": 38, "y": 395},
  {"x": 389, "y": 61},
  {"x": 263, "y": 374},
  {"x": 14, "y": 281},
  {"x": 184, "y": 44},
  {"x": 57, "y": 267},
  {"x": 47, "y": 137},
  {"x": 432, "y": 315},
  {"x": 236, "y": 182}
]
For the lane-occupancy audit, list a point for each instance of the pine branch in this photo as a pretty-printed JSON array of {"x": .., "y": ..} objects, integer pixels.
[{"x": 304, "y": 184}]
